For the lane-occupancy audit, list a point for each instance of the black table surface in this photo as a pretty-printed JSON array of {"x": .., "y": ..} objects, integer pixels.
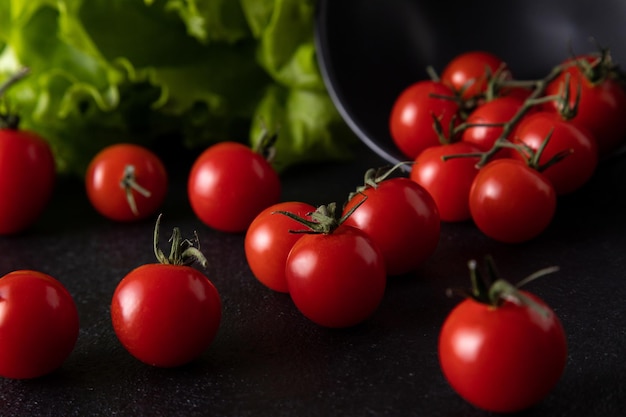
[{"x": 268, "y": 360}]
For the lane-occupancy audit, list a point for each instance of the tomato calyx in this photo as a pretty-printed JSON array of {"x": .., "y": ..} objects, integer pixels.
[
  {"x": 532, "y": 156},
  {"x": 600, "y": 69},
  {"x": 129, "y": 184},
  {"x": 490, "y": 289},
  {"x": 375, "y": 176},
  {"x": 324, "y": 220},
  {"x": 182, "y": 251},
  {"x": 10, "y": 120}
]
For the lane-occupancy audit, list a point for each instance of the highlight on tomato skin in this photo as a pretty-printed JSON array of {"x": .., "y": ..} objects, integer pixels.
[
  {"x": 502, "y": 349},
  {"x": 469, "y": 72},
  {"x": 230, "y": 184},
  {"x": 336, "y": 280},
  {"x": 39, "y": 324},
  {"x": 402, "y": 219},
  {"x": 269, "y": 240},
  {"x": 411, "y": 117},
  {"x": 511, "y": 202},
  {"x": 126, "y": 182},
  {"x": 448, "y": 181},
  {"x": 167, "y": 314}
]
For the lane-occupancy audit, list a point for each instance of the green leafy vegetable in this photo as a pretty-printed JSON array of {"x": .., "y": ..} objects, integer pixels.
[{"x": 196, "y": 71}]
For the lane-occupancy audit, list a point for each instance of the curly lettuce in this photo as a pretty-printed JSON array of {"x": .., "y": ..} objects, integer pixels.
[{"x": 194, "y": 71}]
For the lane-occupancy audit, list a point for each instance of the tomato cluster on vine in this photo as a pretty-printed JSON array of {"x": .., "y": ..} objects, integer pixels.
[
  {"x": 334, "y": 261},
  {"x": 500, "y": 151}
]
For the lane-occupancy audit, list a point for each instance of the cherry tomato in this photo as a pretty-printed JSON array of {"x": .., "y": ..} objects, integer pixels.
[
  {"x": 402, "y": 220},
  {"x": 506, "y": 357},
  {"x": 497, "y": 111},
  {"x": 126, "y": 182},
  {"x": 268, "y": 241},
  {"x": 336, "y": 279},
  {"x": 38, "y": 324},
  {"x": 469, "y": 72},
  {"x": 572, "y": 172},
  {"x": 601, "y": 106},
  {"x": 28, "y": 173},
  {"x": 166, "y": 314},
  {"x": 411, "y": 123},
  {"x": 511, "y": 202},
  {"x": 230, "y": 184},
  {"x": 447, "y": 181}
]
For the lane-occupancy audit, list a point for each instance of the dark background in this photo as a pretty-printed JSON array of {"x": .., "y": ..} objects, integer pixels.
[{"x": 268, "y": 360}]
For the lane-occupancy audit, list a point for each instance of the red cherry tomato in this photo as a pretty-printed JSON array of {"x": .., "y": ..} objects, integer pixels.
[
  {"x": 601, "y": 106},
  {"x": 268, "y": 242},
  {"x": 337, "y": 279},
  {"x": 574, "y": 170},
  {"x": 402, "y": 220},
  {"x": 511, "y": 202},
  {"x": 447, "y": 181},
  {"x": 166, "y": 314},
  {"x": 38, "y": 324},
  {"x": 28, "y": 173},
  {"x": 230, "y": 184},
  {"x": 497, "y": 111},
  {"x": 126, "y": 182},
  {"x": 411, "y": 122},
  {"x": 469, "y": 72},
  {"x": 502, "y": 359}
]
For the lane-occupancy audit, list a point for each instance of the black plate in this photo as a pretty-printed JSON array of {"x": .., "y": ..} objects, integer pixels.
[{"x": 369, "y": 51}]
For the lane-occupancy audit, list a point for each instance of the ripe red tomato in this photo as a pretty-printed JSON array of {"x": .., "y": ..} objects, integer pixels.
[
  {"x": 126, "y": 182},
  {"x": 38, "y": 324},
  {"x": 469, "y": 72},
  {"x": 28, "y": 173},
  {"x": 411, "y": 121},
  {"x": 502, "y": 359},
  {"x": 402, "y": 220},
  {"x": 574, "y": 170},
  {"x": 230, "y": 184},
  {"x": 336, "y": 279},
  {"x": 601, "y": 106},
  {"x": 449, "y": 181},
  {"x": 268, "y": 242},
  {"x": 497, "y": 111},
  {"x": 166, "y": 314},
  {"x": 511, "y": 202}
]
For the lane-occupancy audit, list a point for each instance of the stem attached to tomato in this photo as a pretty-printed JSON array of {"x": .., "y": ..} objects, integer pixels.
[
  {"x": 182, "y": 251},
  {"x": 129, "y": 183},
  {"x": 324, "y": 219},
  {"x": 492, "y": 290}
]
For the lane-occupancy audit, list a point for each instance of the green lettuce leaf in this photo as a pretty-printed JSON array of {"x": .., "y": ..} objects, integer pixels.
[{"x": 194, "y": 71}]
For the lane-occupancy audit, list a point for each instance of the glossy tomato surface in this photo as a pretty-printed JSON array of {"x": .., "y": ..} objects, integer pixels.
[
  {"x": 402, "y": 219},
  {"x": 468, "y": 73},
  {"x": 28, "y": 173},
  {"x": 505, "y": 358},
  {"x": 230, "y": 184},
  {"x": 600, "y": 108},
  {"x": 511, "y": 202},
  {"x": 38, "y": 324},
  {"x": 136, "y": 199},
  {"x": 448, "y": 181},
  {"x": 269, "y": 239},
  {"x": 166, "y": 315},
  {"x": 411, "y": 121},
  {"x": 336, "y": 280},
  {"x": 485, "y": 122},
  {"x": 575, "y": 169}
]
